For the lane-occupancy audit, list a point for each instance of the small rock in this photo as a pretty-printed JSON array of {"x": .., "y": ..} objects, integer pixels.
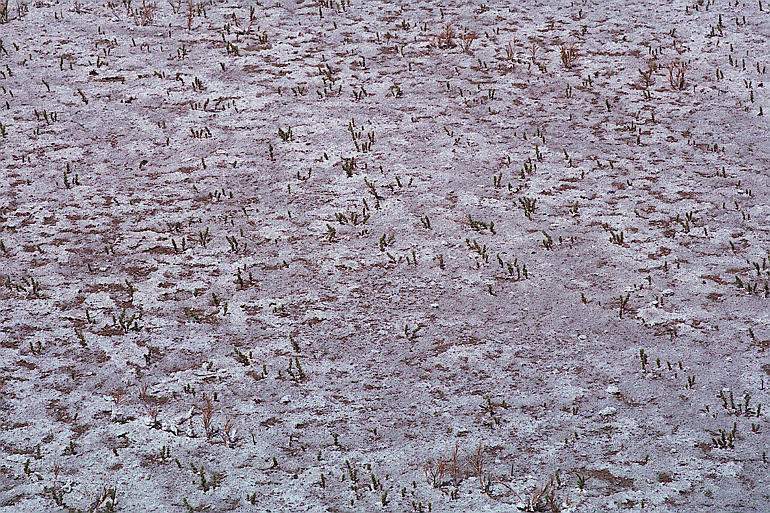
[
  {"x": 609, "y": 410},
  {"x": 667, "y": 292},
  {"x": 286, "y": 399},
  {"x": 184, "y": 418},
  {"x": 118, "y": 416},
  {"x": 612, "y": 390}
]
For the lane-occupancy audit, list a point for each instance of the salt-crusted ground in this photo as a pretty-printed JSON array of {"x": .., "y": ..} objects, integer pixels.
[{"x": 305, "y": 256}]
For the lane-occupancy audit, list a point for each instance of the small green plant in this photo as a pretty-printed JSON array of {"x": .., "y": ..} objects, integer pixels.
[
  {"x": 528, "y": 205},
  {"x": 165, "y": 454},
  {"x": 127, "y": 322},
  {"x": 481, "y": 226},
  {"x": 623, "y": 304},
  {"x": 477, "y": 248},
  {"x": 349, "y": 165},
  {"x": 242, "y": 358},
  {"x": 331, "y": 233},
  {"x": 411, "y": 333},
  {"x": 285, "y": 135},
  {"x": 643, "y": 358},
  {"x": 204, "y": 237},
  {"x": 295, "y": 370},
  {"x": 726, "y": 439},
  {"x": 547, "y": 241}
]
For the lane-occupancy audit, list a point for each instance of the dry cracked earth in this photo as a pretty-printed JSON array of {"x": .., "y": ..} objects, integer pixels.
[{"x": 384, "y": 256}]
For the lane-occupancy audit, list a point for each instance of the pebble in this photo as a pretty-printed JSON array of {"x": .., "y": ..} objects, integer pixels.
[
  {"x": 612, "y": 390},
  {"x": 609, "y": 410}
]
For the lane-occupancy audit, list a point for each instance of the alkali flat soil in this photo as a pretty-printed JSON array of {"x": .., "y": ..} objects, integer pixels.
[{"x": 384, "y": 256}]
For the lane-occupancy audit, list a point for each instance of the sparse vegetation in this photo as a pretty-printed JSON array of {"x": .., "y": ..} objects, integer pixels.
[{"x": 355, "y": 256}]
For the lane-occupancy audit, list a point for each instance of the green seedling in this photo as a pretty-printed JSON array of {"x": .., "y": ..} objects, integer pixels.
[
  {"x": 623, "y": 304},
  {"x": 285, "y": 135}
]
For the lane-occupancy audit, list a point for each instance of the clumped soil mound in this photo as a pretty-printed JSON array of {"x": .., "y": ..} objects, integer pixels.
[{"x": 379, "y": 256}]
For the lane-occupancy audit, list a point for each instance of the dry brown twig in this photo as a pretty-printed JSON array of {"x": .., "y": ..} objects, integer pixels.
[
  {"x": 455, "y": 467},
  {"x": 445, "y": 39},
  {"x": 647, "y": 75},
  {"x": 466, "y": 40},
  {"x": 677, "y": 71},
  {"x": 144, "y": 392},
  {"x": 152, "y": 413},
  {"x": 435, "y": 470},
  {"x": 190, "y": 14},
  {"x": 145, "y": 14},
  {"x": 117, "y": 396},
  {"x": 229, "y": 432},
  {"x": 207, "y": 414},
  {"x": 569, "y": 54},
  {"x": 509, "y": 52},
  {"x": 451, "y": 468},
  {"x": 533, "y": 52},
  {"x": 541, "y": 498},
  {"x": 56, "y": 470},
  {"x": 476, "y": 463}
]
